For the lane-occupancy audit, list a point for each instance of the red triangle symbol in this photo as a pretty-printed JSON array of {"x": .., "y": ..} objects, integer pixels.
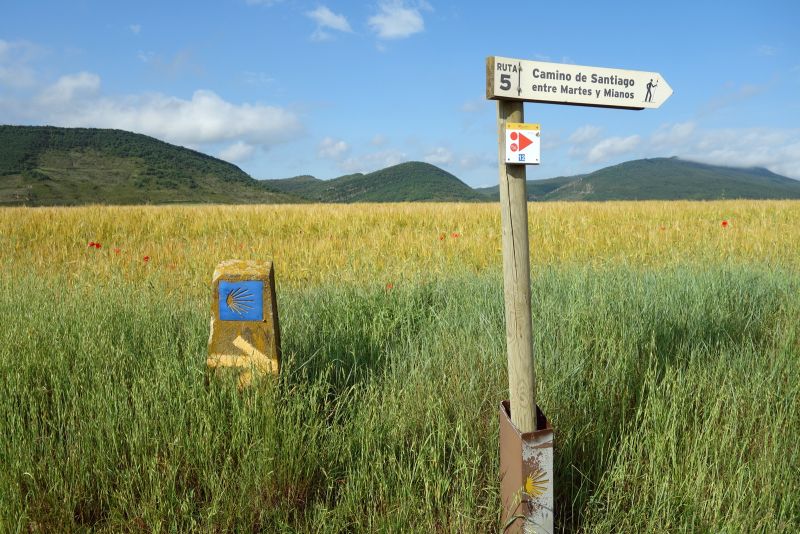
[{"x": 523, "y": 142}]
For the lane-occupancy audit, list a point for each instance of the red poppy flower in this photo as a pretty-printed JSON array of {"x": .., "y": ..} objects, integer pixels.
[
  {"x": 724, "y": 224},
  {"x": 146, "y": 259},
  {"x": 116, "y": 251},
  {"x": 455, "y": 235},
  {"x": 97, "y": 245},
  {"x": 389, "y": 286},
  {"x": 441, "y": 237},
  {"x": 91, "y": 244}
]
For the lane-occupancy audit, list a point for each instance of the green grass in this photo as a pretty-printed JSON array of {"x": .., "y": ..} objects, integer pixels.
[{"x": 674, "y": 396}]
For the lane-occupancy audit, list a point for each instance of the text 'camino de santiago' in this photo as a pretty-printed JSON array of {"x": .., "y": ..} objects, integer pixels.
[{"x": 547, "y": 81}]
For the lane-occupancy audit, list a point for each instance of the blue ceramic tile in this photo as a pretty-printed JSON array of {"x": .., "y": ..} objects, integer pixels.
[{"x": 241, "y": 301}]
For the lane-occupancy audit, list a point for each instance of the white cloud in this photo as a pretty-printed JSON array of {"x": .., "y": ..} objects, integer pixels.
[
  {"x": 473, "y": 160},
  {"x": 669, "y": 135},
  {"x": 439, "y": 156},
  {"x": 205, "y": 118},
  {"x": 238, "y": 151},
  {"x": 15, "y": 60},
  {"x": 372, "y": 162},
  {"x": 613, "y": 146},
  {"x": 135, "y": 28},
  {"x": 775, "y": 149},
  {"x": 325, "y": 18},
  {"x": 379, "y": 140},
  {"x": 395, "y": 20},
  {"x": 585, "y": 134},
  {"x": 331, "y": 148},
  {"x": 69, "y": 87}
]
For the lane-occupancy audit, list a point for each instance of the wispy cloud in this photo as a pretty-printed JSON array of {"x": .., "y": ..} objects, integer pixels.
[
  {"x": 396, "y": 20},
  {"x": 373, "y": 161},
  {"x": 332, "y": 148},
  {"x": 69, "y": 87},
  {"x": 733, "y": 96},
  {"x": 260, "y": 79},
  {"x": 16, "y": 59},
  {"x": 766, "y": 50},
  {"x": 327, "y": 20},
  {"x": 135, "y": 28},
  {"x": 237, "y": 152},
  {"x": 585, "y": 134},
  {"x": 611, "y": 147},
  {"x": 474, "y": 106},
  {"x": 181, "y": 63},
  {"x": 672, "y": 135},
  {"x": 439, "y": 156}
]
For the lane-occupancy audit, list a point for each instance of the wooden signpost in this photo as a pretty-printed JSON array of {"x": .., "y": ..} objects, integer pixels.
[{"x": 526, "y": 437}]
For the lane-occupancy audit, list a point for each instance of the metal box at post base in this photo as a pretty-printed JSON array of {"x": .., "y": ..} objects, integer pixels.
[{"x": 526, "y": 475}]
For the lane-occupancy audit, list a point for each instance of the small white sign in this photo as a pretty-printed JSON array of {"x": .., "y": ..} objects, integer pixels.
[{"x": 523, "y": 143}]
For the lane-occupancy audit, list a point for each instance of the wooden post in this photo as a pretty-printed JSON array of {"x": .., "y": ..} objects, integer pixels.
[{"x": 516, "y": 276}]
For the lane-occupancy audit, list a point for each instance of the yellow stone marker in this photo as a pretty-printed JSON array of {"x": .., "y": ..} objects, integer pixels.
[{"x": 245, "y": 336}]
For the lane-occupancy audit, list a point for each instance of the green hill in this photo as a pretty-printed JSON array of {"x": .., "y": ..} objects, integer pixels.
[
  {"x": 664, "y": 179},
  {"x": 406, "y": 182},
  {"x": 672, "y": 178},
  {"x": 297, "y": 185},
  {"x": 537, "y": 189},
  {"x": 44, "y": 165}
]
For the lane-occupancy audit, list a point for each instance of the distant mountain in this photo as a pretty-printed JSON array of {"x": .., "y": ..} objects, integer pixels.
[
  {"x": 44, "y": 165},
  {"x": 537, "y": 189},
  {"x": 663, "y": 179},
  {"x": 406, "y": 182}
]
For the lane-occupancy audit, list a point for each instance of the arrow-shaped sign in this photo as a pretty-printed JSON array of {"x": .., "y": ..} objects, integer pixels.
[{"x": 559, "y": 83}]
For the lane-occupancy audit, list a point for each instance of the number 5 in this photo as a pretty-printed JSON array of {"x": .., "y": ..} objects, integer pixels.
[{"x": 505, "y": 82}]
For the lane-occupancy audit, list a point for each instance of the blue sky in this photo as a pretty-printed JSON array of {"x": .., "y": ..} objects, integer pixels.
[{"x": 288, "y": 87}]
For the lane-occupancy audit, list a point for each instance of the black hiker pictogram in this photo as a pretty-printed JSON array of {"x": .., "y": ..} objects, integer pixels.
[{"x": 650, "y": 87}]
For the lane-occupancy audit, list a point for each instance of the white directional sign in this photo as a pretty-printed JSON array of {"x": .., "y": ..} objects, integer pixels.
[
  {"x": 558, "y": 83},
  {"x": 522, "y": 143}
]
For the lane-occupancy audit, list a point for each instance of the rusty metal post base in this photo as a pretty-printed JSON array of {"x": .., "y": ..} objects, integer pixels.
[{"x": 526, "y": 475}]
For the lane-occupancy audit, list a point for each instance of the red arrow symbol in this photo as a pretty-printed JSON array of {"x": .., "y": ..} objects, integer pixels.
[{"x": 523, "y": 142}]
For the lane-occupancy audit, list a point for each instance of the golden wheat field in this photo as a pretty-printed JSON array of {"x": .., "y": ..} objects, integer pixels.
[
  {"x": 668, "y": 367},
  {"x": 177, "y": 247}
]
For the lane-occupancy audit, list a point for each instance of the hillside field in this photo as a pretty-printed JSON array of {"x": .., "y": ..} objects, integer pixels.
[{"x": 667, "y": 342}]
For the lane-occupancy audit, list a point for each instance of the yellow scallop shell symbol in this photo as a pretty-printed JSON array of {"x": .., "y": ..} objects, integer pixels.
[
  {"x": 536, "y": 483},
  {"x": 240, "y": 300}
]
